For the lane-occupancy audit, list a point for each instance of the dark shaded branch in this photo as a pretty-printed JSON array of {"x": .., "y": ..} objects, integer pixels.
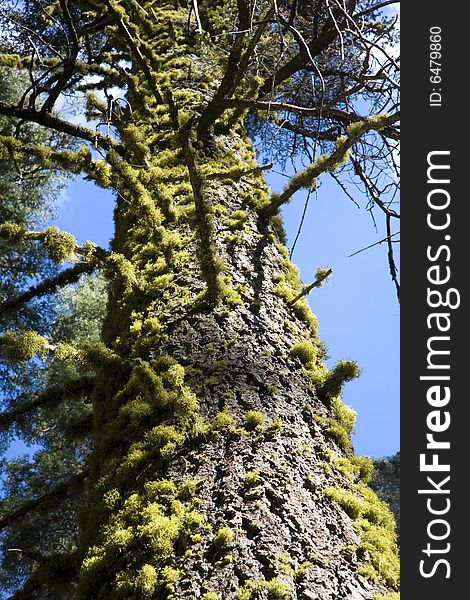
[
  {"x": 52, "y": 122},
  {"x": 216, "y": 106},
  {"x": 391, "y": 259},
  {"x": 47, "y": 286},
  {"x": 300, "y": 60},
  {"x": 298, "y": 129},
  {"x": 336, "y": 114},
  {"x": 56, "y": 494},
  {"x": 53, "y": 395},
  {"x": 372, "y": 189},
  {"x": 69, "y": 62}
]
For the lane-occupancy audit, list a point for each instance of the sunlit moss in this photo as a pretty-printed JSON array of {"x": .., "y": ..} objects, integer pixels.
[{"x": 20, "y": 346}]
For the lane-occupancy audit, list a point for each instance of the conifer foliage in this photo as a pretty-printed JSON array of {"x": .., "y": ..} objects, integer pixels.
[{"x": 192, "y": 442}]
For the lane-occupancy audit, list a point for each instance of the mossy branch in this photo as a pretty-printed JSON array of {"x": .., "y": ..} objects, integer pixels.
[
  {"x": 60, "y": 245},
  {"x": 210, "y": 267},
  {"x": 57, "y": 124},
  {"x": 49, "y": 498},
  {"x": 51, "y": 396},
  {"x": 20, "y": 346},
  {"x": 320, "y": 277},
  {"x": 237, "y": 172},
  {"x": 142, "y": 51},
  {"x": 306, "y": 178},
  {"x": 75, "y": 163}
]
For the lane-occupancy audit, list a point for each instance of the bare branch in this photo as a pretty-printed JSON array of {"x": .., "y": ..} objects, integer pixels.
[{"x": 385, "y": 239}]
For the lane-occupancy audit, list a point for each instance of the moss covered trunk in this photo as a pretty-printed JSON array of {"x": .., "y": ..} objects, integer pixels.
[{"x": 222, "y": 466}]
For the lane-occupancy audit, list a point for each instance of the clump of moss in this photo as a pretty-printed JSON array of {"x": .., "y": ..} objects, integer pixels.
[
  {"x": 340, "y": 425},
  {"x": 146, "y": 580},
  {"x": 222, "y": 420},
  {"x": 304, "y": 448},
  {"x": 306, "y": 352},
  {"x": 237, "y": 220},
  {"x": 252, "y": 477},
  {"x": 355, "y": 467},
  {"x": 20, "y": 346},
  {"x": 375, "y": 523},
  {"x": 345, "y": 370},
  {"x": 254, "y": 420},
  {"x": 391, "y": 596},
  {"x": 223, "y": 537},
  {"x": 60, "y": 245},
  {"x": 11, "y": 233},
  {"x": 275, "y": 588},
  {"x": 210, "y": 596},
  {"x": 169, "y": 577},
  {"x": 345, "y": 415}
]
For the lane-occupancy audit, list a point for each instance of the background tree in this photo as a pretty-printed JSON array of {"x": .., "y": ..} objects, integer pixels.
[
  {"x": 386, "y": 482},
  {"x": 220, "y": 461}
]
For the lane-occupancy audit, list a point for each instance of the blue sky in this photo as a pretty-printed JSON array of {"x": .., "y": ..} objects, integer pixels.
[{"x": 357, "y": 309}]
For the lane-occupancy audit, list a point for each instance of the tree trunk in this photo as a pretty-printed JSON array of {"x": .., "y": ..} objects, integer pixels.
[{"x": 218, "y": 441}]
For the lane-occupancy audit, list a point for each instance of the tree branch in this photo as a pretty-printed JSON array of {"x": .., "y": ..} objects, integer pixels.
[
  {"x": 231, "y": 76},
  {"x": 69, "y": 62},
  {"x": 47, "y": 286},
  {"x": 52, "y": 122},
  {"x": 322, "y": 274},
  {"x": 43, "y": 500},
  {"x": 53, "y": 395},
  {"x": 306, "y": 178},
  {"x": 209, "y": 267}
]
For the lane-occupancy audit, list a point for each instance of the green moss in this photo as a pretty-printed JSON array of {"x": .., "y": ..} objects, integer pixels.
[
  {"x": 223, "y": 537},
  {"x": 11, "y": 233},
  {"x": 368, "y": 571},
  {"x": 376, "y": 525},
  {"x": 237, "y": 220},
  {"x": 60, "y": 245},
  {"x": 275, "y": 588},
  {"x": 304, "y": 448},
  {"x": 391, "y": 596},
  {"x": 20, "y": 346},
  {"x": 306, "y": 352},
  {"x": 354, "y": 467},
  {"x": 222, "y": 420},
  {"x": 252, "y": 477},
  {"x": 345, "y": 370},
  {"x": 210, "y": 596},
  {"x": 169, "y": 577},
  {"x": 254, "y": 420},
  {"x": 301, "y": 571},
  {"x": 146, "y": 580},
  {"x": 345, "y": 415}
]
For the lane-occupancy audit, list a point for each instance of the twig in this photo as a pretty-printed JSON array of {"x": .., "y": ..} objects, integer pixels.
[{"x": 374, "y": 244}]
